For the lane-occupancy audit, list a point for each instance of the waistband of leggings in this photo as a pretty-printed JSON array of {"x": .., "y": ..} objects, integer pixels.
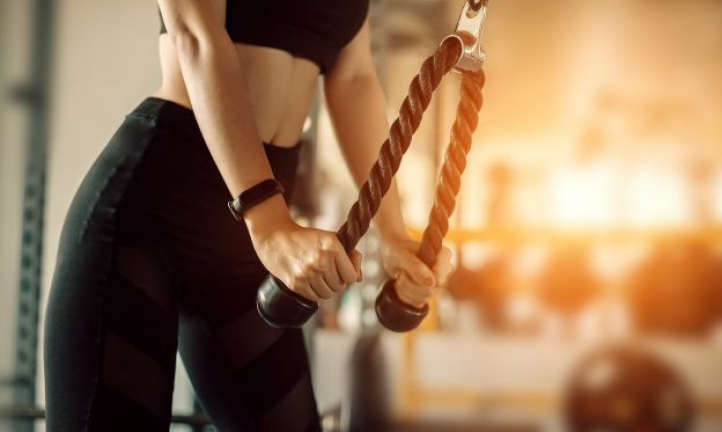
[{"x": 183, "y": 119}]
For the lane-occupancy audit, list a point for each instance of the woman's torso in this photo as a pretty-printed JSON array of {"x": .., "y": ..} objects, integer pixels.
[
  {"x": 281, "y": 85},
  {"x": 281, "y": 88}
]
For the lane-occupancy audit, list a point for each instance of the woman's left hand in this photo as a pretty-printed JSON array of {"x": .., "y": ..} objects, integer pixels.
[{"x": 415, "y": 283}]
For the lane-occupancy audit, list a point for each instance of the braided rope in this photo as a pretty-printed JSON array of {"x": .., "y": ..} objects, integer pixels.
[
  {"x": 393, "y": 149},
  {"x": 467, "y": 119}
]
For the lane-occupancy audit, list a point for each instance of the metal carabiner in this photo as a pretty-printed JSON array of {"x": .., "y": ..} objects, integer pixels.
[{"x": 468, "y": 31}]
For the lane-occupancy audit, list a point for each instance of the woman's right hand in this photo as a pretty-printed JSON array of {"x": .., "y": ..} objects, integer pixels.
[{"x": 309, "y": 261}]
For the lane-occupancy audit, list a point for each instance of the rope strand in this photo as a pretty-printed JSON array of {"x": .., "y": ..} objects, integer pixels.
[
  {"x": 393, "y": 149},
  {"x": 467, "y": 119}
]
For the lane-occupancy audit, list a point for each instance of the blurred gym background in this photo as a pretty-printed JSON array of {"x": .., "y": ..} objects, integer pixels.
[{"x": 588, "y": 242}]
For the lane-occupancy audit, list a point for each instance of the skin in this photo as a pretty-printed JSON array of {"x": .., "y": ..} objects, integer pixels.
[{"x": 243, "y": 95}]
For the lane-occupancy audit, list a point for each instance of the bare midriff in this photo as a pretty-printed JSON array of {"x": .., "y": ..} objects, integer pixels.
[{"x": 281, "y": 88}]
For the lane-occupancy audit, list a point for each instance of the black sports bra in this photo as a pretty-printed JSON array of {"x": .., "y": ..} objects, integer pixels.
[{"x": 313, "y": 29}]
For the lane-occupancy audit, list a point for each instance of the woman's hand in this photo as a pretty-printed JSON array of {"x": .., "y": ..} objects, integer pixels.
[
  {"x": 309, "y": 261},
  {"x": 415, "y": 284}
]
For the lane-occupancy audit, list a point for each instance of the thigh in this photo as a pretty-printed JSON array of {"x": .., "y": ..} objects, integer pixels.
[
  {"x": 110, "y": 343},
  {"x": 248, "y": 375}
]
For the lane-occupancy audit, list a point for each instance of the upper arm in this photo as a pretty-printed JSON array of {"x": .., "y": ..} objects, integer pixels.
[
  {"x": 193, "y": 17},
  {"x": 354, "y": 60}
]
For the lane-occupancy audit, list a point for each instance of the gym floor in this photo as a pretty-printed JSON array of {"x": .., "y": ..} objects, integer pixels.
[{"x": 587, "y": 238}]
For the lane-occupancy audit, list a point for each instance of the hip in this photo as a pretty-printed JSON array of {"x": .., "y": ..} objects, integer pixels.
[{"x": 156, "y": 184}]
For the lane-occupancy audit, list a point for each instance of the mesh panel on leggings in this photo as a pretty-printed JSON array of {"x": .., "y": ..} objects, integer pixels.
[{"x": 139, "y": 345}]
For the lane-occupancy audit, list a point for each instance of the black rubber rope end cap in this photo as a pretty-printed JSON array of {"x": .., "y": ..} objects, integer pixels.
[
  {"x": 282, "y": 308},
  {"x": 396, "y": 315}
]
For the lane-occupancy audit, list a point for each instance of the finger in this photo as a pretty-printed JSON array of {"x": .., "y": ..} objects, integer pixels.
[
  {"x": 344, "y": 265},
  {"x": 320, "y": 286},
  {"x": 417, "y": 270},
  {"x": 356, "y": 258},
  {"x": 411, "y": 293},
  {"x": 301, "y": 287},
  {"x": 327, "y": 240},
  {"x": 327, "y": 266},
  {"x": 442, "y": 272},
  {"x": 443, "y": 267},
  {"x": 308, "y": 294},
  {"x": 413, "y": 289}
]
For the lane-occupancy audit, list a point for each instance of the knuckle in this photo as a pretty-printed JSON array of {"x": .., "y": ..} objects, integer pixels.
[
  {"x": 345, "y": 280},
  {"x": 320, "y": 287},
  {"x": 344, "y": 270},
  {"x": 332, "y": 278},
  {"x": 310, "y": 266},
  {"x": 326, "y": 258},
  {"x": 333, "y": 241},
  {"x": 318, "y": 279},
  {"x": 327, "y": 240},
  {"x": 350, "y": 277},
  {"x": 298, "y": 282},
  {"x": 306, "y": 270},
  {"x": 333, "y": 281}
]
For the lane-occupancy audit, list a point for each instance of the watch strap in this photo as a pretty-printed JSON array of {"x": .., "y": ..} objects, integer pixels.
[{"x": 253, "y": 196}]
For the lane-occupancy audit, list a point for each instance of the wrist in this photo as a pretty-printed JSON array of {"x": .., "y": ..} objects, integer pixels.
[
  {"x": 395, "y": 235},
  {"x": 267, "y": 215},
  {"x": 253, "y": 196}
]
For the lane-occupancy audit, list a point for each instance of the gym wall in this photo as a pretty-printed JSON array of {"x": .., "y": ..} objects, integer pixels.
[
  {"x": 105, "y": 63},
  {"x": 14, "y": 53}
]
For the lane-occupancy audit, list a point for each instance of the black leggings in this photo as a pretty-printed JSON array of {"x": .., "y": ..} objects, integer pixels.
[{"x": 151, "y": 262}]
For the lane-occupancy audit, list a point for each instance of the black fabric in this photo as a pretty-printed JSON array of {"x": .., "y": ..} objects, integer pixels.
[
  {"x": 312, "y": 29},
  {"x": 151, "y": 262},
  {"x": 116, "y": 413}
]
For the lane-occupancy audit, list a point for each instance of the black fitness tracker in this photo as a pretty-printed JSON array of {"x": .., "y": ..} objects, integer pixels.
[{"x": 253, "y": 196}]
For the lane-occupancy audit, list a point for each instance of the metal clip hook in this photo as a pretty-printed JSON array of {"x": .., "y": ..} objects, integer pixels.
[{"x": 468, "y": 31}]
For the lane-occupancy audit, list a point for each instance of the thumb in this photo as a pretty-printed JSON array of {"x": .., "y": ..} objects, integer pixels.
[{"x": 356, "y": 258}]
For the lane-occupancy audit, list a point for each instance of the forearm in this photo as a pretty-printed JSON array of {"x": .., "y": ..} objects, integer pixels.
[
  {"x": 214, "y": 79},
  {"x": 358, "y": 111},
  {"x": 219, "y": 96}
]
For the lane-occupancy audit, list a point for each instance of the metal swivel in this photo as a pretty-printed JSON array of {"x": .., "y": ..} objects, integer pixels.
[{"x": 391, "y": 311}]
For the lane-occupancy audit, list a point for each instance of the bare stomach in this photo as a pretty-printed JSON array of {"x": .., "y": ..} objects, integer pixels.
[{"x": 281, "y": 88}]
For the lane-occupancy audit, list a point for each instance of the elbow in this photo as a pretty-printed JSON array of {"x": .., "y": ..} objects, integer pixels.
[
  {"x": 348, "y": 73},
  {"x": 188, "y": 43},
  {"x": 351, "y": 84}
]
